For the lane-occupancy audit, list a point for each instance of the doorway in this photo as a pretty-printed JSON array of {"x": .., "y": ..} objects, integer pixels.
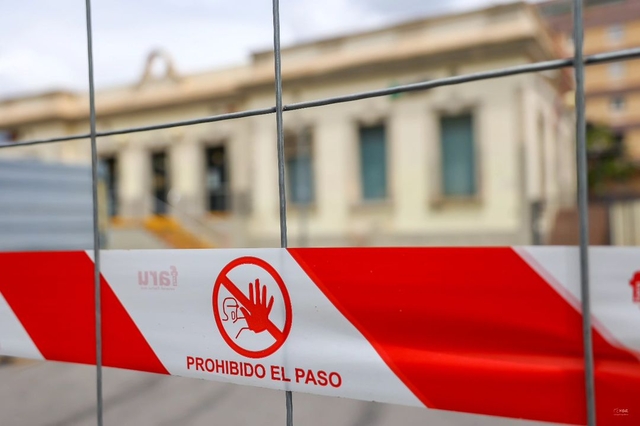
[
  {"x": 111, "y": 166},
  {"x": 160, "y": 182},
  {"x": 216, "y": 179}
]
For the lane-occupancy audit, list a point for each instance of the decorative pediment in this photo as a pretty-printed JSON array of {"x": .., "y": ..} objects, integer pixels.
[{"x": 159, "y": 68}]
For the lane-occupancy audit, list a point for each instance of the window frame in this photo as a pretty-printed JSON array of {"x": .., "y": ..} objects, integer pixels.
[
  {"x": 205, "y": 148},
  {"x": 616, "y": 70},
  {"x": 290, "y": 149},
  {"x": 616, "y": 33},
  {"x": 372, "y": 124},
  {"x": 439, "y": 198},
  {"x": 619, "y": 106},
  {"x": 114, "y": 181},
  {"x": 168, "y": 178}
]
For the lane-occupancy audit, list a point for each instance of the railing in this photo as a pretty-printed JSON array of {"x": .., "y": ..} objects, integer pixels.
[{"x": 197, "y": 226}]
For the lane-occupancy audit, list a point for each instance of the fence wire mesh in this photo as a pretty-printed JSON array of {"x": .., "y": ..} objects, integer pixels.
[{"x": 578, "y": 62}]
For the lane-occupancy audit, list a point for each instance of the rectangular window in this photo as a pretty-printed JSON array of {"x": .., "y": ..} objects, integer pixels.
[
  {"x": 373, "y": 162},
  {"x": 299, "y": 164},
  {"x": 160, "y": 183},
  {"x": 617, "y": 103},
  {"x": 616, "y": 70},
  {"x": 216, "y": 179},
  {"x": 111, "y": 170},
  {"x": 616, "y": 33},
  {"x": 458, "y": 156},
  {"x": 542, "y": 156}
]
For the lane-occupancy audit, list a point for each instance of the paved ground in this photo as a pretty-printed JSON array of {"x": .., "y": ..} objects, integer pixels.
[
  {"x": 133, "y": 238},
  {"x": 57, "y": 394}
]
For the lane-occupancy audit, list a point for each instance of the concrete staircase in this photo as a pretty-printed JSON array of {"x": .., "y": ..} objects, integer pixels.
[{"x": 173, "y": 234}]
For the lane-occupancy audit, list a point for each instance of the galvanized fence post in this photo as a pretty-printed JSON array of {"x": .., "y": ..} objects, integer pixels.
[
  {"x": 96, "y": 230},
  {"x": 583, "y": 207},
  {"x": 277, "y": 59}
]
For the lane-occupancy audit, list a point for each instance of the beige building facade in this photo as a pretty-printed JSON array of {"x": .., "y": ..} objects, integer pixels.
[{"x": 487, "y": 163}]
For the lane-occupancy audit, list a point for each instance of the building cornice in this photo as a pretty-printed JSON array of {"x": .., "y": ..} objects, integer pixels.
[{"x": 505, "y": 36}]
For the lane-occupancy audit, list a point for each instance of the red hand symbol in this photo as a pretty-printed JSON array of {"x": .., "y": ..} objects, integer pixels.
[{"x": 257, "y": 313}]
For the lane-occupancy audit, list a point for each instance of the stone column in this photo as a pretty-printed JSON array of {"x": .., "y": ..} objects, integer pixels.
[
  {"x": 187, "y": 176},
  {"x": 332, "y": 136},
  {"x": 264, "y": 178},
  {"x": 134, "y": 181},
  {"x": 412, "y": 139}
]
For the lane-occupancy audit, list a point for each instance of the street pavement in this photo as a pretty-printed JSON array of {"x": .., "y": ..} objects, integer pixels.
[{"x": 58, "y": 394}]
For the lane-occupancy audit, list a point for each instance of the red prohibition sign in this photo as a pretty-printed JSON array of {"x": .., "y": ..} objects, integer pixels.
[{"x": 223, "y": 280}]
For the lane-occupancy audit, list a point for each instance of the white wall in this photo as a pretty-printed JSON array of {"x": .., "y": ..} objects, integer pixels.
[
  {"x": 550, "y": 149},
  {"x": 413, "y": 161}
]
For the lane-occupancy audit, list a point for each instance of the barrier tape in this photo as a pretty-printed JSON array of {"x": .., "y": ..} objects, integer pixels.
[{"x": 493, "y": 331}]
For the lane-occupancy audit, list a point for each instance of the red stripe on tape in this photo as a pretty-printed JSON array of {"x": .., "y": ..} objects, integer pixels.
[
  {"x": 475, "y": 330},
  {"x": 52, "y": 294}
]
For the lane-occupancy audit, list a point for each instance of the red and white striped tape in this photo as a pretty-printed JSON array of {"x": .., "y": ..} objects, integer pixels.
[{"x": 492, "y": 331}]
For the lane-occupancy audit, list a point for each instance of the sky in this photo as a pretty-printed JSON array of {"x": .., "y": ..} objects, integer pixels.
[{"x": 43, "y": 42}]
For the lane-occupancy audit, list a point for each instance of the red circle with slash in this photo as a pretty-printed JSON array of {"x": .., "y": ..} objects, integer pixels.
[{"x": 223, "y": 280}]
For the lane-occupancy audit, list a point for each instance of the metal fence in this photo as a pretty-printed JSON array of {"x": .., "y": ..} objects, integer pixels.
[
  {"x": 45, "y": 206},
  {"x": 578, "y": 62}
]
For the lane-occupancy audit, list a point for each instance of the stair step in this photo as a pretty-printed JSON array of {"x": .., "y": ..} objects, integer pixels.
[{"x": 169, "y": 230}]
